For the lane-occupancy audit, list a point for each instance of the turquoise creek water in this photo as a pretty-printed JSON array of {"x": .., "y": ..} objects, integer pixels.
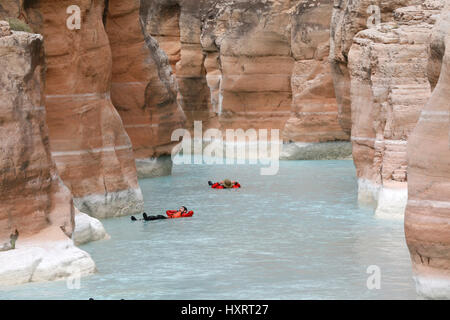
[{"x": 297, "y": 235}]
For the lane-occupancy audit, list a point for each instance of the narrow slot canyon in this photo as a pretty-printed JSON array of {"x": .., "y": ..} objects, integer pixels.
[{"x": 93, "y": 94}]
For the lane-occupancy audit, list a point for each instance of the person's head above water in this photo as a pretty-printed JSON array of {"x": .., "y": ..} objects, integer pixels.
[
  {"x": 227, "y": 183},
  {"x": 183, "y": 209}
]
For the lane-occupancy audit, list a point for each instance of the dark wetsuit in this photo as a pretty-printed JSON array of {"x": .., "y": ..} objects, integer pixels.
[
  {"x": 145, "y": 217},
  {"x": 151, "y": 218}
]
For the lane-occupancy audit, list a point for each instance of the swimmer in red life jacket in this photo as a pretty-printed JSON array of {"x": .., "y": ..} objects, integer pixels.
[
  {"x": 171, "y": 214},
  {"x": 226, "y": 184}
]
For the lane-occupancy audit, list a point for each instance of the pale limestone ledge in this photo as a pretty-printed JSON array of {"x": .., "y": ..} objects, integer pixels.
[
  {"x": 154, "y": 167},
  {"x": 390, "y": 200},
  {"x": 334, "y": 150},
  {"x": 47, "y": 256},
  {"x": 111, "y": 204},
  {"x": 432, "y": 283},
  {"x": 88, "y": 229},
  {"x": 432, "y": 287}
]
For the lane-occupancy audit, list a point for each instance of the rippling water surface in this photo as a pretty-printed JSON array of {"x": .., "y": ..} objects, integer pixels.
[{"x": 297, "y": 235}]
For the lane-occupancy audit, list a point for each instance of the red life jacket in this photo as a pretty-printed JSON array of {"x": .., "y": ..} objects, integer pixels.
[
  {"x": 217, "y": 185},
  {"x": 174, "y": 214}
]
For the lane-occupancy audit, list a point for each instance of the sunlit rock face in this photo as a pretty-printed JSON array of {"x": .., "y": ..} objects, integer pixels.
[
  {"x": 249, "y": 56},
  {"x": 144, "y": 89},
  {"x": 93, "y": 153},
  {"x": 34, "y": 200},
  {"x": 348, "y": 18},
  {"x": 389, "y": 88},
  {"x": 314, "y": 116},
  {"x": 427, "y": 218}
]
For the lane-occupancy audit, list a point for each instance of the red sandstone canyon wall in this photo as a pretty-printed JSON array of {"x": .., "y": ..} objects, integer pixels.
[
  {"x": 250, "y": 43},
  {"x": 349, "y": 17},
  {"x": 314, "y": 117},
  {"x": 34, "y": 200},
  {"x": 32, "y": 194},
  {"x": 176, "y": 26},
  {"x": 389, "y": 88},
  {"x": 427, "y": 218},
  {"x": 144, "y": 89},
  {"x": 93, "y": 153},
  {"x": 314, "y": 113}
]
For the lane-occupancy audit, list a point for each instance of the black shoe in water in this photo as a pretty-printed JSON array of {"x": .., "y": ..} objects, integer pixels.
[
  {"x": 145, "y": 216},
  {"x": 133, "y": 218}
]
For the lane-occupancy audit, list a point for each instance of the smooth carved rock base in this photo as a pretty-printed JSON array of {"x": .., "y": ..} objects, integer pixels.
[
  {"x": 111, "y": 204},
  {"x": 47, "y": 256},
  {"x": 154, "y": 167},
  {"x": 88, "y": 229},
  {"x": 316, "y": 151}
]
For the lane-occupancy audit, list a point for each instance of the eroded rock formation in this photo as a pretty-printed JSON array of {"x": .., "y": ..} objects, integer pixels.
[
  {"x": 176, "y": 26},
  {"x": 314, "y": 115},
  {"x": 93, "y": 153},
  {"x": 144, "y": 90},
  {"x": 87, "y": 229},
  {"x": 234, "y": 62},
  {"x": 427, "y": 219},
  {"x": 249, "y": 43},
  {"x": 34, "y": 200},
  {"x": 389, "y": 88},
  {"x": 349, "y": 17}
]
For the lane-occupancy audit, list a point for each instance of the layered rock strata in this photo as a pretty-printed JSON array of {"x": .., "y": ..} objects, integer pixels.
[
  {"x": 144, "y": 89},
  {"x": 249, "y": 62},
  {"x": 34, "y": 200},
  {"x": 314, "y": 117},
  {"x": 389, "y": 87},
  {"x": 176, "y": 26},
  {"x": 427, "y": 219},
  {"x": 350, "y": 17},
  {"x": 93, "y": 153}
]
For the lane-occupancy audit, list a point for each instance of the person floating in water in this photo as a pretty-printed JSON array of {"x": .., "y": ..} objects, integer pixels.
[
  {"x": 181, "y": 213},
  {"x": 225, "y": 184},
  {"x": 171, "y": 214}
]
